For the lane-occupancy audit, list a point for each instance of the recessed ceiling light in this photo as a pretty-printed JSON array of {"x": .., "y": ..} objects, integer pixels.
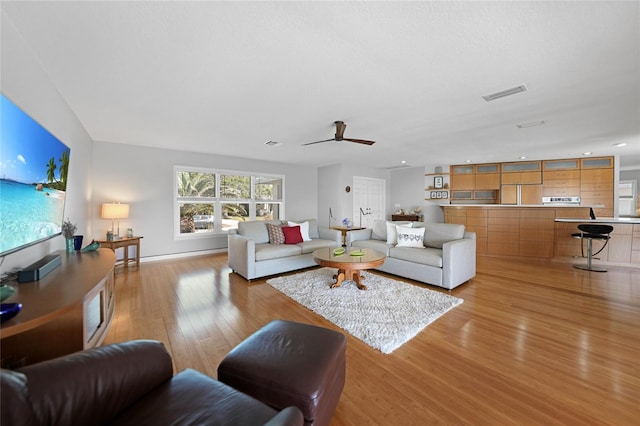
[
  {"x": 504, "y": 93},
  {"x": 468, "y": 161},
  {"x": 587, "y": 153},
  {"x": 523, "y": 157},
  {"x": 531, "y": 124},
  {"x": 621, "y": 144},
  {"x": 403, "y": 162},
  {"x": 272, "y": 143}
]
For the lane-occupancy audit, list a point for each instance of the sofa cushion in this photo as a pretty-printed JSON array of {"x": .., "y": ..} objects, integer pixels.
[
  {"x": 392, "y": 234},
  {"x": 269, "y": 251},
  {"x": 410, "y": 237},
  {"x": 276, "y": 236},
  {"x": 313, "y": 227},
  {"x": 292, "y": 234},
  {"x": 313, "y": 245},
  {"x": 425, "y": 256},
  {"x": 376, "y": 245},
  {"x": 436, "y": 234},
  {"x": 255, "y": 230},
  {"x": 304, "y": 229},
  {"x": 379, "y": 230}
]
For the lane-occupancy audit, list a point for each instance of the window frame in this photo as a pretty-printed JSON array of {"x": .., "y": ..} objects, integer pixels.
[{"x": 217, "y": 201}]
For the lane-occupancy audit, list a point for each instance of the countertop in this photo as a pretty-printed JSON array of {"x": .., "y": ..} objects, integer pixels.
[
  {"x": 610, "y": 220},
  {"x": 551, "y": 206}
]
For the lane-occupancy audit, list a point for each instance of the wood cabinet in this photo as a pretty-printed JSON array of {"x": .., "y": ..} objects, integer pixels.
[
  {"x": 487, "y": 176},
  {"x": 526, "y": 172},
  {"x": 463, "y": 177},
  {"x": 561, "y": 183},
  {"x": 596, "y": 188},
  {"x": 68, "y": 310},
  {"x": 521, "y": 194},
  {"x": 567, "y": 164}
]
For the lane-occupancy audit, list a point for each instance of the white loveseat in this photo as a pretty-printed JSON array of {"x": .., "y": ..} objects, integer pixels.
[
  {"x": 252, "y": 256},
  {"x": 446, "y": 257}
]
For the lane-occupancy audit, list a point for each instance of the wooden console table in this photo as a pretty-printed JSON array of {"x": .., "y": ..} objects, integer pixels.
[
  {"x": 68, "y": 310},
  {"x": 124, "y": 242}
]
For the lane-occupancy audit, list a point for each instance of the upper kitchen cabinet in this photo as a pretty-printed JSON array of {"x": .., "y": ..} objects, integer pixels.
[{"x": 525, "y": 173}]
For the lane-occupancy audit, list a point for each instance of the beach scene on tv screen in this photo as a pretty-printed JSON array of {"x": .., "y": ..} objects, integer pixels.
[{"x": 33, "y": 179}]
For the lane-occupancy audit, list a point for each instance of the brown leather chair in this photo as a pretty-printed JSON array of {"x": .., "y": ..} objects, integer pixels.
[{"x": 128, "y": 383}]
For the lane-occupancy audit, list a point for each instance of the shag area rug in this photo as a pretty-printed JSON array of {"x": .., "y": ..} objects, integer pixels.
[{"x": 385, "y": 316}]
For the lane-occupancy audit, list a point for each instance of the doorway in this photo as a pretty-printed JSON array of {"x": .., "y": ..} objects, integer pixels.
[{"x": 368, "y": 201}]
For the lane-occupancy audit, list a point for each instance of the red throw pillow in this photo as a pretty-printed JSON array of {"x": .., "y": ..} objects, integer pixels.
[{"x": 292, "y": 234}]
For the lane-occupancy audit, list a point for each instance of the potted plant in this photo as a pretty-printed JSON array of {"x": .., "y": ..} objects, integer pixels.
[{"x": 68, "y": 231}]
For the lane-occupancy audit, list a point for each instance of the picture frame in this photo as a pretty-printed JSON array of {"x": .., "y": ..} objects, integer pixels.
[
  {"x": 438, "y": 194},
  {"x": 445, "y": 194},
  {"x": 434, "y": 194},
  {"x": 438, "y": 182}
]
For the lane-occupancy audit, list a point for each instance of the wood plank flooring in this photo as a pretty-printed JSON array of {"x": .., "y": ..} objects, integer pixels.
[{"x": 535, "y": 342}]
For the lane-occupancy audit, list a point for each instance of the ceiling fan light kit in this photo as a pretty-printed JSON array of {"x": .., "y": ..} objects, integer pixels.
[{"x": 339, "y": 136}]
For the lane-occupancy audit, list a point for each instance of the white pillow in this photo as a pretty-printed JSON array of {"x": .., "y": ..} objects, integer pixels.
[
  {"x": 304, "y": 229},
  {"x": 410, "y": 237},
  {"x": 392, "y": 233}
]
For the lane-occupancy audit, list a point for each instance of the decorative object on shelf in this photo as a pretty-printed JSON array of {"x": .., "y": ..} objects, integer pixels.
[
  {"x": 115, "y": 211},
  {"x": 438, "y": 182},
  {"x": 9, "y": 310},
  {"x": 77, "y": 242},
  {"x": 68, "y": 229},
  {"x": 129, "y": 232},
  {"x": 438, "y": 169}
]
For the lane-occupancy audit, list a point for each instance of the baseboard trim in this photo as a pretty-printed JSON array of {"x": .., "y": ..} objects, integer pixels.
[{"x": 174, "y": 256}]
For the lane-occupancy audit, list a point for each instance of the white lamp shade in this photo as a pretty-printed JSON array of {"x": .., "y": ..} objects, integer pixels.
[{"x": 115, "y": 211}]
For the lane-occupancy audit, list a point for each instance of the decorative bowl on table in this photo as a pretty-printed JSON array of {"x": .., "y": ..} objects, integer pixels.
[
  {"x": 9, "y": 310},
  {"x": 6, "y": 291}
]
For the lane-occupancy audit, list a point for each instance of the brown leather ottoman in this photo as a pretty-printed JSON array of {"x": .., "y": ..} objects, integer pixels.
[{"x": 288, "y": 363}]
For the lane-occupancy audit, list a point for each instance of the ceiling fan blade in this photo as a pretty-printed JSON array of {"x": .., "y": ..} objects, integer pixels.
[
  {"x": 326, "y": 140},
  {"x": 362, "y": 141}
]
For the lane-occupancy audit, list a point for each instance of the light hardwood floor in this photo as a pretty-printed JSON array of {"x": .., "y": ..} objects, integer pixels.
[{"x": 534, "y": 342}]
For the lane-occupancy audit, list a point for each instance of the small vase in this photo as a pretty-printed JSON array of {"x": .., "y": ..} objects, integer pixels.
[{"x": 69, "y": 245}]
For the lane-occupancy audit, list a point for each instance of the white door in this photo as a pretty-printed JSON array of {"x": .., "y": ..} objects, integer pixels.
[{"x": 368, "y": 198}]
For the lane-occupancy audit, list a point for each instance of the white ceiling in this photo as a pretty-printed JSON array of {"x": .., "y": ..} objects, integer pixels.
[{"x": 226, "y": 77}]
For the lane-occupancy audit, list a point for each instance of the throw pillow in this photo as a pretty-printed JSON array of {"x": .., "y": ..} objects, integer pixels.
[
  {"x": 276, "y": 236},
  {"x": 292, "y": 234},
  {"x": 410, "y": 237},
  {"x": 392, "y": 233},
  {"x": 304, "y": 229}
]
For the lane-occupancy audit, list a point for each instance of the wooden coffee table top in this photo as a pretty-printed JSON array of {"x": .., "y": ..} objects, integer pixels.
[
  {"x": 349, "y": 266},
  {"x": 371, "y": 258}
]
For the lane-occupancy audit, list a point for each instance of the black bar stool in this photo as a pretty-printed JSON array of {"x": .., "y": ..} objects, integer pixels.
[{"x": 592, "y": 232}]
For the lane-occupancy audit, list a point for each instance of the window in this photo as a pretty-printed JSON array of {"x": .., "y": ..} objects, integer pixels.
[
  {"x": 627, "y": 198},
  {"x": 214, "y": 201}
]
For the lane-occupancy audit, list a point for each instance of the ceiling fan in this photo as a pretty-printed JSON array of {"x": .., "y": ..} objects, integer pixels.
[{"x": 340, "y": 126}]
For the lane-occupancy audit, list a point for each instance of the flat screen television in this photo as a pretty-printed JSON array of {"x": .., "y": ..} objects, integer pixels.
[{"x": 33, "y": 180}]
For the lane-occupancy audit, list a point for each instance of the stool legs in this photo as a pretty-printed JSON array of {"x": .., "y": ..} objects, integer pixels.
[{"x": 589, "y": 266}]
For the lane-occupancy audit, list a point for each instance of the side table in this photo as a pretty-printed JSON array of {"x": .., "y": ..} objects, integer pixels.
[
  {"x": 344, "y": 230},
  {"x": 124, "y": 242}
]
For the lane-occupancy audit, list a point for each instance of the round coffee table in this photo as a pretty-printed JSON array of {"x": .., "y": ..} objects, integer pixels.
[{"x": 348, "y": 266}]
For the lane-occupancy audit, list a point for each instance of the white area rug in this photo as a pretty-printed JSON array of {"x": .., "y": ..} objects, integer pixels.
[{"x": 385, "y": 316}]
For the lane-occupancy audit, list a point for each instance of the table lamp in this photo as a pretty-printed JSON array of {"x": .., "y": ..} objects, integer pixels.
[{"x": 115, "y": 211}]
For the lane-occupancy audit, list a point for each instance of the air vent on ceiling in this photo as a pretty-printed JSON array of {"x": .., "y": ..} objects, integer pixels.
[{"x": 504, "y": 93}]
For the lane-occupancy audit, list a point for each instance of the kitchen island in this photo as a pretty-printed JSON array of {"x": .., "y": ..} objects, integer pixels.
[{"x": 536, "y": 231}]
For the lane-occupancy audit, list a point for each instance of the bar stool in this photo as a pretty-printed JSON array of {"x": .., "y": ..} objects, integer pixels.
[{"x": 592, "y": 232}]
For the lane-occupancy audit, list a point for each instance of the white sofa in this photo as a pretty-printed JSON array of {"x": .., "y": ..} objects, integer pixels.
[
  {"x": 447, "y": 257},
  {"x": 252, "y": 256}
]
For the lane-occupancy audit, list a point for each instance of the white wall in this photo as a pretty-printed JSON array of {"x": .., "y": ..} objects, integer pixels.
[
  {"x": 407, "y": 186},
  {"x": 332, "y": 181},
  {"x": 25, "y": 82},
  {"x": 143, "y": 178}
]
